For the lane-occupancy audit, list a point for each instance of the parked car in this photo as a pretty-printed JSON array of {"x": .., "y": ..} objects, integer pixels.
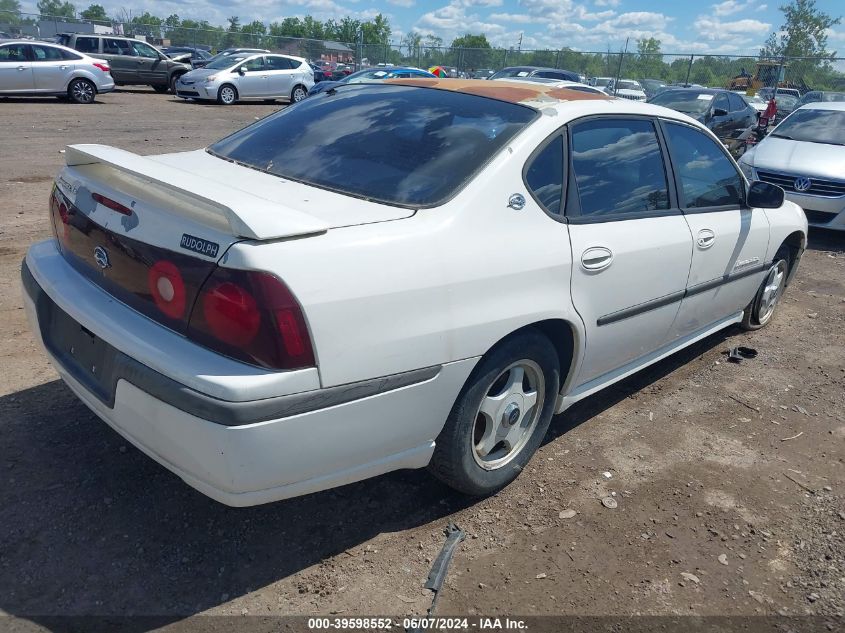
[
  {"x": 652, "y": 86},
  {"x": 278, "y": 325},
  {"x": 243, "y": 76},
  {"x": 319, "y": 73},
  {"x": 805, "y": 155},
  {"x": 38, "y": 68},
  {"x": 627, "y": 89},
  {"x": 601, "y": 82},
  {"x": 228, "y": 52},
  {"x": 766, "y": 93},
  {"x": 132, "y": 61},
  {"x": 786, "y": 104},
  {"x": 820, "y": 96},
  {"x": 724, "y": 112},
  {"x": 535, "y": 71},
  {"x": 755, "y": 101},
  {"x": 371, "y": 75},
  {"x": 187, "y": 54},
  {"x": 6, "y": 36},
  {"x": 571, "y": 85},
  {"x": 483, "y": 73}
]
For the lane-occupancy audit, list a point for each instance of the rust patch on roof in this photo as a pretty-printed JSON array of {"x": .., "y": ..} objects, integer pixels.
[{"x": 512, "y": 91}]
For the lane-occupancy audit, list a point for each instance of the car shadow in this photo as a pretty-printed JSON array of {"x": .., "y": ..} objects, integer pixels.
[
  {"x": 820, "y": 239},
  {"x": 91, "y": 526},
  {"x": 51, "y": 98}
]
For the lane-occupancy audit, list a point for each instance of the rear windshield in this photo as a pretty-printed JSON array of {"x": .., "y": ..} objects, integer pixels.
[
  {"x": 401, "y": 145},
  {"x": 687, "y": 101}
]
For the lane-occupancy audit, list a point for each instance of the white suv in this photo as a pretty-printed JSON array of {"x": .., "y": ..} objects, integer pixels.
[{"x": 412, "y": 273}]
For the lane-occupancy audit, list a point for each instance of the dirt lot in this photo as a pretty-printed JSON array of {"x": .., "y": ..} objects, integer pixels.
[{"x": 729, "y": 478}]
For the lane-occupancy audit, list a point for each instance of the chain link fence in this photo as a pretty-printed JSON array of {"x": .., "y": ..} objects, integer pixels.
[{"x": 737, "y": 71}]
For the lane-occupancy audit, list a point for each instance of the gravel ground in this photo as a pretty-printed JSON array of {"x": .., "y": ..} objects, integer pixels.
[{"x": 728, "y": 478}]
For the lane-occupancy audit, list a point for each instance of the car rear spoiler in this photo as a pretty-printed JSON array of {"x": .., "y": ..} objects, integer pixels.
[{"x": 248, "y": 215}]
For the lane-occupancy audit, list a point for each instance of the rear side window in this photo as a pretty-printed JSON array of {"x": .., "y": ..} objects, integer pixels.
[
  {"x": 70, "y": 56},
  {"x": 280, "y": 63},
  {"x": 402, "y": 145},
  {"x": 117, "y": 47},
  {"x": 87, "y": 44},
  {"x": 544, "y": 176},
  {"x": 618, "y": 167},
  {"x": 708, "y": 178},
  {"x": 45, "y": 53}
]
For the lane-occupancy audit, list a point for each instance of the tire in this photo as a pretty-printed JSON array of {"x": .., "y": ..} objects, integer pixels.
[
  {"x": 160, "y": 89},
  {"x": 172, "y": 85},
  {"x": 298, "y": 94},
  {"x": 269, "y": 101},
  {"x": 490, "y": 434},
  {"x": 227, "y": 94},
  {"x": 81, "y": 91},
  {"x": 760, "y": 311}
]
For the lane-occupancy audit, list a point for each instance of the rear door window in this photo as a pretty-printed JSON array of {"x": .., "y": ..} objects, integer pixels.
[
  {"x": 274, "y": 62},
  {"x": 619, "y": 169},
  {"x": 117, "y": 47},
  {"x": 45, "y": 53}
]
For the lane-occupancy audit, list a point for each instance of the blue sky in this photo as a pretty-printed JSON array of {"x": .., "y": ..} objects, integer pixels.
[{"x": 737, "y": 26}]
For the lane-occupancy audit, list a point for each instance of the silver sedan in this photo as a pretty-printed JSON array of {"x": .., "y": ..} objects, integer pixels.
[
  {"x": 38, "y": 68},
  {"x": 248, "y": 76}
]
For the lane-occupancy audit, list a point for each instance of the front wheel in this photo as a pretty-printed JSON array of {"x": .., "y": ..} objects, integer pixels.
[
  {"x": 227, "y": 95},
  {"x": 298, "y": 94},
  {"x": 160, "y": 89},
  {"x": 500, "y": 417},
  {"x": 81, "y": 91},
  {"x": 762, "y": 307}
]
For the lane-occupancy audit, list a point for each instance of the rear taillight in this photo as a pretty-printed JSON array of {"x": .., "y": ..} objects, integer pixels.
[
  {"x": 104, "y": 67},
  {"x": 251, "y": 316}
]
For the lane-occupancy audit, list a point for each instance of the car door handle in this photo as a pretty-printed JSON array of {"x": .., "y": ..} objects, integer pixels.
[
  {"x": 65, "y": 67},
  {"x": 706, "y": 238},
  {"x": 21, "y": 67},
  {"x": 596, "y": 258}
]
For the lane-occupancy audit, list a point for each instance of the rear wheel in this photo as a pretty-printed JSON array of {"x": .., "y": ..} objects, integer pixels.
[
  {"x": 227, "y": 95},
  {"x": 81, "y": 91},
  {"x": 298, "y": 94},
  {"x": 762, "y": 308},
  {"x": 500, "y": 417}
]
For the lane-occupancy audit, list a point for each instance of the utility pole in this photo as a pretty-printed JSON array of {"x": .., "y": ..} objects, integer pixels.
[
  {"x": 519, "y": 45},
  {"x": 619, "y": 69}
]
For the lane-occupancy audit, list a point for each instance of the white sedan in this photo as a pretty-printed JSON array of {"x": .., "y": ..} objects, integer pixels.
[
  {"x": 228, "y": 79},
  {"x": 416, "y": 273}
]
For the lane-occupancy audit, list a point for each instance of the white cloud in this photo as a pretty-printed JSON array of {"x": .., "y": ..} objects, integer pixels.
[
  {"x": 714, "y": 29},
  {"x": 607, "y": 3},
  {"x": 402, "y": 3},
  {"x": 729, "y": 7}
]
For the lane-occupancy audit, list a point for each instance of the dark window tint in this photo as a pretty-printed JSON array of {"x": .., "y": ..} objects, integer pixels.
[
  {"x": 45, "y": 53},
  {"x": 396, "y": 144},
  {"x": 618, "y": 167},
  {"x": 544, "y": 175},
  {"x": 279, "y": 63},
  {"x": 87, "y": 44},
  {"x": 736, "y": 102},
  {"x": 708, "y": 178},
  {"x": 721, "y": 103},
  {"x": 70, "y": 56},
  {"x": 13, "y": 53},
  {"x": 117, "y": 47}
]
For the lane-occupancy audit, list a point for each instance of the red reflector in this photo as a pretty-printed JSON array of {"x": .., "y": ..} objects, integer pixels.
[
  {"x": 289, "y": 329},
  {"x": 167, "y": 288},
  {"x": 64, "y": 214},
  {"x": 231, "y": 313},
  {"x": 111, "y": 204},
  {"x": 104, "y": 67}
]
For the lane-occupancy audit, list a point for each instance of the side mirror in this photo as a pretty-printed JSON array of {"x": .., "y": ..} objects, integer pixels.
[
  {"x": 720, "y": 112},
  {"x": 764, "y": 195},
  {"x": 241, "y": 71}
]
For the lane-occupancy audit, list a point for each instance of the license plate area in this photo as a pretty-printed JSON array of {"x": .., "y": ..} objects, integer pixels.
[{"x": 82, "y": 353}]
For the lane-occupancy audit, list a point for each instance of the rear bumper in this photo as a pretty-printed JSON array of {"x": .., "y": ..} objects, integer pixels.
[{"x": 305, "y": 442}]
